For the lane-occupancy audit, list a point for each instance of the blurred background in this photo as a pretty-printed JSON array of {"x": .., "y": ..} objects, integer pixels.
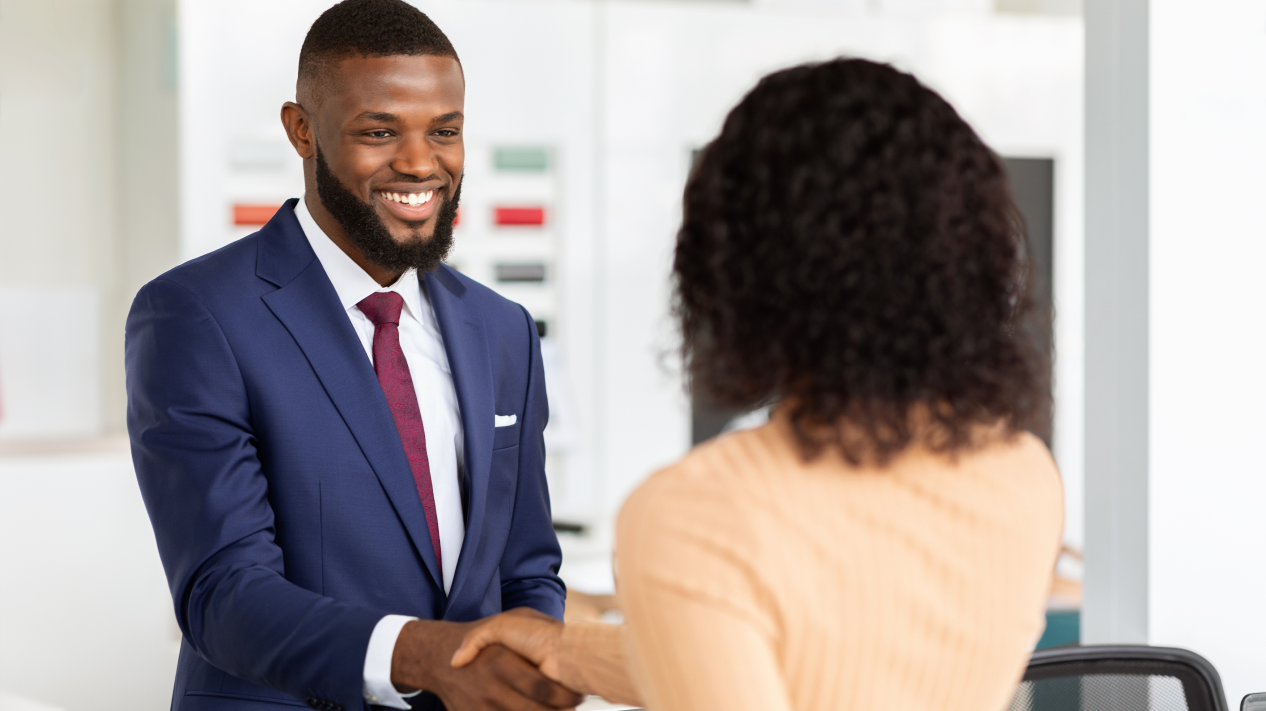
[{"x": 137, "y": 134}]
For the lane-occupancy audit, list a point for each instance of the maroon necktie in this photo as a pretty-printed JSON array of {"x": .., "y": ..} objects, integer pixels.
[{"x": 383, "y": 309}]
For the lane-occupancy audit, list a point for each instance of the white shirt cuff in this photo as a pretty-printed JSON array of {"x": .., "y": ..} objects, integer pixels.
[{"x": 382, "y": 645}]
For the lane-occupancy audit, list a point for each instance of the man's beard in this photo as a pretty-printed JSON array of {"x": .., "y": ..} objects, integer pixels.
[{"x": 365, "y": 229}]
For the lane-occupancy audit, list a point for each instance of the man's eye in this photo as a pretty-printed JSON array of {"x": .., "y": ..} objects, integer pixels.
[
  {"x": 446, "y": 132},
  {"x": 380, "y": 134}
]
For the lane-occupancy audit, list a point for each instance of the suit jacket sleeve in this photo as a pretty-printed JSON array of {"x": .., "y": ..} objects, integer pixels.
[
  {"x": 195, "y": 454},
  {"x": 530, "y": 563}
]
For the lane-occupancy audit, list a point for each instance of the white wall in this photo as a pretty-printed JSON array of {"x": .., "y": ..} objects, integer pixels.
[
  {"x": 50, "y": 362},
  {"x": 87, "y": 162},
  {"x": 57, "y": 197},
  {"x": 87, "y": 146},
  {"x": 1208, "y": 384},
  {"x": 86, "y": 623}
]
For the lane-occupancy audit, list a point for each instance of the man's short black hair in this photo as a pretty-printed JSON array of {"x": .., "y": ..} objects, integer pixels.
[{"x": 367, "y": 28}]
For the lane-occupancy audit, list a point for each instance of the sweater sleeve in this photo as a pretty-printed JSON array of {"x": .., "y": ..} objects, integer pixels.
[
  {"x": 699, "y": 637},
  {"x": 593, "y": 661}
]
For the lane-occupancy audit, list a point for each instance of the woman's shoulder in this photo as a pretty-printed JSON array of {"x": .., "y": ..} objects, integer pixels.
[
  {"x": 755, "y": 471},
  {"x": 714, "y": 488},
  {"x": 1012, "y": 477},
  {"x": 696, "y": 525},
  {"x": 718, "y": 466},
  {"x": 1019, "y": 457}
]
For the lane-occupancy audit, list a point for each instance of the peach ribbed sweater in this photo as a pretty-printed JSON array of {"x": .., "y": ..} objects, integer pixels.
[{"x": 752, "y": 581}]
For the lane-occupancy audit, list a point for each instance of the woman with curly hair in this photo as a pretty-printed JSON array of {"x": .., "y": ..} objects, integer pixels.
[{"x": 850, "y": 252}]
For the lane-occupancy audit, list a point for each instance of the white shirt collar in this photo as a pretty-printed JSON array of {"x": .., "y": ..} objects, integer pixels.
[{"x": 351, "y": 283}]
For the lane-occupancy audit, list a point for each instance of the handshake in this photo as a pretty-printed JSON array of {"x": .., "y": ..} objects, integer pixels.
[
  {"x": 507, "y": 662},
  {"x": 535, "y": 636}
]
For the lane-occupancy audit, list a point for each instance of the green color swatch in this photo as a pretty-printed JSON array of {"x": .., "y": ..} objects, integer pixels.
[{"x": 528, "y": 159}]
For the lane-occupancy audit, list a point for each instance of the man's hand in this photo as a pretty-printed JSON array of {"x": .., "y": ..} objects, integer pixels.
[
  {"x": 536, "y": 637},
  {"x": 497, "y": 679}
]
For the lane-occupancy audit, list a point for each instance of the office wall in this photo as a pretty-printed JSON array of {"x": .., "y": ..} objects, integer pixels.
[
  {"x": 145, "y": 41},
  {"x": 87, "y": 141},
  {"x": 57, "y": 195},
  {"x": 87, "y": 175},
  {"x": 86, "y": 623},
  {"x": 1207, "y": 383}
]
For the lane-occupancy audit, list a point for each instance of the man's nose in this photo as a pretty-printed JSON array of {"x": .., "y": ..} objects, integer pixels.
[{"x": 415, "y": 158}]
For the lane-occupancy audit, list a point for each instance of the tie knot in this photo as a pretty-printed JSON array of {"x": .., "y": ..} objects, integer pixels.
[{"x": 382, "y": 307}]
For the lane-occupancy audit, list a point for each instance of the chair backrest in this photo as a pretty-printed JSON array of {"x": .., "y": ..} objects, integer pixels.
[{"x": 1119, "y": 678}]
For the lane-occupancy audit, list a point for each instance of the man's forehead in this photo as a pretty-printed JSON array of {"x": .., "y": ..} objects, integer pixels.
[
  {"x": 358, "y": 73},
  {"x": 392, "y": 84}
]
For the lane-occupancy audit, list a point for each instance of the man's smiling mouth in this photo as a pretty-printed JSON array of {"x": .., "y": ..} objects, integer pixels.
[{"x": 410, "y": 199}]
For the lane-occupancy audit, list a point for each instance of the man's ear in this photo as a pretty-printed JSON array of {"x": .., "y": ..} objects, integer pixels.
[{"x": 299, "y": 129}]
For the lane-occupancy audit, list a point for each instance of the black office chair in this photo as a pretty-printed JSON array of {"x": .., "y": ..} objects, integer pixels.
[{"x": 1119, "y": 678}]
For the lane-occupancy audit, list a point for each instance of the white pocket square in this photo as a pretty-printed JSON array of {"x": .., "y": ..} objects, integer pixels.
[{"x": 505, "y": 420}]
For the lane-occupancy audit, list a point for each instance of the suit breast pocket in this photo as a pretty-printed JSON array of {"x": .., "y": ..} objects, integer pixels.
[{"x": 504, "y": 437}]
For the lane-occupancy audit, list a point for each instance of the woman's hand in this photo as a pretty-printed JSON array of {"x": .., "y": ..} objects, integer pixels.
[{"x": 534, "y": 636}]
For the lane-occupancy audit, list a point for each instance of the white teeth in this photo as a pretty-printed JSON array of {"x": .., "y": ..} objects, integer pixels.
[{"x": 410, "y": 199}]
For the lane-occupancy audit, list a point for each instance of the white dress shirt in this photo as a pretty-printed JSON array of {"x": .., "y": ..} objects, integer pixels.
[{"x": 423, "y": 348}]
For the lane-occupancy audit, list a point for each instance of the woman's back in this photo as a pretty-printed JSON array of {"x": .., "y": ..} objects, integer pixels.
[
  {"x": 753, "y": 580},
  {"x": 850, "y": 250}
]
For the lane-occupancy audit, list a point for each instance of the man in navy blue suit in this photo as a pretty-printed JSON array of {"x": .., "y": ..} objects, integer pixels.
[{"x": 339, "y": 438}]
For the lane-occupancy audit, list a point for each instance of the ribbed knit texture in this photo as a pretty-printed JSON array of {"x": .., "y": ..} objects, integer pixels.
[
  {"x": 751, "y": 580},
  {"x": 593, "y": 661}
]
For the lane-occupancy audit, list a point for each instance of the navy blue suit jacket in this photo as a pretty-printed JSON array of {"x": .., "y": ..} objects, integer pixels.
[{"x": 285, "y": 510}]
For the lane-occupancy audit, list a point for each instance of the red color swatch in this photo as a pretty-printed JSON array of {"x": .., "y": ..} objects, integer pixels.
[
  {"x": 254, "y": 214},
  {"x": 519, "y": 216}
]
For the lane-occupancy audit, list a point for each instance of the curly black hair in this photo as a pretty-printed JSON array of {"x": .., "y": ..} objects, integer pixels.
[
  {"x": 851, "y": 249},
  {"x": 367, "y": 28}
]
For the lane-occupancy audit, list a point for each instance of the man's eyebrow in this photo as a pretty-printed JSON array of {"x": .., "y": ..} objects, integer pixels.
[
  {"x": 385, "y": 117},
  {"x": 380, "y": 116},
  {"x": 450, "y": 116}
]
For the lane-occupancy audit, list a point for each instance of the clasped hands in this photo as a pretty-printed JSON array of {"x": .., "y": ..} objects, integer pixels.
[{"x": 507, "y": 662}]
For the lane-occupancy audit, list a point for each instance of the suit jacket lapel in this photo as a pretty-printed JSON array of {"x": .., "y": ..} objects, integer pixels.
[
  {"x": 308, "y": 306},
  {"x": 466, "y": 343}
]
